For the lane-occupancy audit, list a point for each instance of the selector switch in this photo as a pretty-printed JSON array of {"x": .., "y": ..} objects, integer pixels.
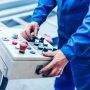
[
  {"x": 32, "y": 52},
  {"x": 5, "y": 39}
]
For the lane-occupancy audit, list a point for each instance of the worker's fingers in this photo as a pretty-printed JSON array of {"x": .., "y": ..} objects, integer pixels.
[
  {"x": 24, "y": 35},
  {"x": 59, "y": 72},
  {"x": 49, "y": 54},
  {"x": 55, "y": 72},
  {"x": 36, "y": 31},
  {"x": 31, "y": 28},
  {"x": 48, "y": 67},
  {"x": 28, "y": 32}
]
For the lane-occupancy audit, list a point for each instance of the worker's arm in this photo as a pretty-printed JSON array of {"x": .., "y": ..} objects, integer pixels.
[
  {"x": 39, "y": 16},
  {"x": 77, "y": 46},
  {"x": 43, "y": 9},
  {"x": 79, "y": 43}
]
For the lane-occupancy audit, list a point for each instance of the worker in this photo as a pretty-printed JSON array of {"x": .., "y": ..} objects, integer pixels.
[{"x": 74, "y": 38}]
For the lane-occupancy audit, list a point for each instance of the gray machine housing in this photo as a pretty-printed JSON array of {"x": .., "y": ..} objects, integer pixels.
[{"x": 15, "y": 65}]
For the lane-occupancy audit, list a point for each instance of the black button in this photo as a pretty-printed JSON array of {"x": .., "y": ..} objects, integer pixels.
[
  {"x": 45, "y": 50},
  {"x": 41, "y": 40},
  {"x": 54, "y": 49},
  {"x": 45, "y": 45},
  {"x": 40, "y": 48},
  {"x": 50, "y": 49}
]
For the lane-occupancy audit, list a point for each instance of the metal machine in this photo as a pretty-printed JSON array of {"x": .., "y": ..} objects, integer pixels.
[{"x": 16, "y": 65}]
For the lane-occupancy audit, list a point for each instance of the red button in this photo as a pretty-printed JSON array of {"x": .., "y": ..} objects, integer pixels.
[{"x": 14, "y": 43}]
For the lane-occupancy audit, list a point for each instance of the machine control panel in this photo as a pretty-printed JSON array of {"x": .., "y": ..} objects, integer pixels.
[{"x": 23, "y": 58}]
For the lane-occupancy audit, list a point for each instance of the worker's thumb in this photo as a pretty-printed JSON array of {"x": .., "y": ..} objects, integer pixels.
[{"x": 49, "y": 54}]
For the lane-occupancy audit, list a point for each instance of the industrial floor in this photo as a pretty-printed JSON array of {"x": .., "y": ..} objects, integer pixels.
[{"x": 31, "y": 84}]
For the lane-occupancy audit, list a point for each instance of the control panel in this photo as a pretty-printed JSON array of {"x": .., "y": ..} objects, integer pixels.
[{"x": 23, "y": 58}]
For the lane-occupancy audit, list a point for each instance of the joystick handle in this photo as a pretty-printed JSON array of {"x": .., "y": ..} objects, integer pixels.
[
  {"x": 23, "y": 47},
  {"x": 39, "y": 67}
]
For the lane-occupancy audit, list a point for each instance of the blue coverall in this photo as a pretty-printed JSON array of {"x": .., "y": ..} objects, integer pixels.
[{"x": 74, "y": 34}]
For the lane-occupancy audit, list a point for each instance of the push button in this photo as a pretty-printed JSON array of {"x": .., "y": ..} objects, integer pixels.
[
  {"x": 45, "y": 50},
  {"x": 54, "y": 49},
  {"x": 14, "y": 43},
  {"x": 23, "y": 47},
  {"x": 15, "y": 36}
]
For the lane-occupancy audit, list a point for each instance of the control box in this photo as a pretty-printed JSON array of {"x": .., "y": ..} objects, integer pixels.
[{"x": 18, "y": 65}]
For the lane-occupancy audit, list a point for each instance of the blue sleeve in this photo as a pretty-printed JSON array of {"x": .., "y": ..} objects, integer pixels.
[
  {"x": 79, "y": 43},
  {"x": 43, "y": 9}
]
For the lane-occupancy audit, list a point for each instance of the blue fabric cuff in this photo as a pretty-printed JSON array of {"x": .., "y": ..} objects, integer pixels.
[
  {"x": 68, "y": 52},
  {"x": 39, "y": 21}
]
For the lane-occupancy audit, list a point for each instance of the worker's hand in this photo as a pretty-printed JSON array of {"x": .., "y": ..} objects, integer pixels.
[
  {"x": 57, "y": 64},
  {"x": 32, "y": 27}
]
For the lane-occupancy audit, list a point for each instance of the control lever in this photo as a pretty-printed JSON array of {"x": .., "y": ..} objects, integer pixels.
[
  {"x": 39, "y": 67},
  {"x": 47, "y": 73}
]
